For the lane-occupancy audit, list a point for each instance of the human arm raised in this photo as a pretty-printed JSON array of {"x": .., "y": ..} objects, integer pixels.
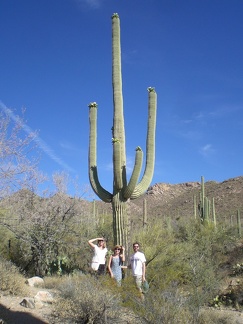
[{"x": 90, "y": 242}]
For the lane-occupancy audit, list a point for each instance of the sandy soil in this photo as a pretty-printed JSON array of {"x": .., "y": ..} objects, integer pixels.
[{"x": 11, "y": 312}]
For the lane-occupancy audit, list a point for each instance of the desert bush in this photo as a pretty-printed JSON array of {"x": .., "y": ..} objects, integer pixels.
[
  {"x": 47, "y": 232},
  {"x": 166, "y": 307},
  {"x": 11, "y": 280},
  {"x": 52, "y": 282},
  {"x": 85, "y": 299},
  {"x": 158, "y": 306},
  {"x": 210, "y": 316},
  {"x": 183, "y": 264}
]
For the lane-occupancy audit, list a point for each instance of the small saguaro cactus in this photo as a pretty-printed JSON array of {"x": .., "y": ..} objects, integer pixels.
[
  {"x": 204, "y": 206},
  {"x": 239, "y": 222},
  {"x": 123, "y": 190}
]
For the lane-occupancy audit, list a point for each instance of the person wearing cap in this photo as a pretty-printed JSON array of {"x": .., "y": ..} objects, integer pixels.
[
  {"x": 99, "y": 257},
  {"x": 115, "y": 263}
]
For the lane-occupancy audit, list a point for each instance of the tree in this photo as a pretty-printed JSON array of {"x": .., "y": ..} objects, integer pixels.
[
  {"x": 47, "y": 231},
  {"x": 18, "y": 164},
  {"x": 122, "y": 189}
]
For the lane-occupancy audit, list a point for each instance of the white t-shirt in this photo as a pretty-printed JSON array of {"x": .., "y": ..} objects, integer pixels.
[
  {"x": 100, "y": 254},
  {"x": 136, "y": 261}
]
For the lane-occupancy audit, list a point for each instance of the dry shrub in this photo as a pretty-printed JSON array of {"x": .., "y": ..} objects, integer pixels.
[
  {"x": 53, "y": 282},
  {"x": 161, "y": 307},
  {"x": 209, "y": 316},
  {"x": 11, "y": 281},
  {"x": 86, "y": 299}
]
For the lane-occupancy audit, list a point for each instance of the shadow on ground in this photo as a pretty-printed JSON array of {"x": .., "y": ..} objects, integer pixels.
[{"x": 11, "y": 317}]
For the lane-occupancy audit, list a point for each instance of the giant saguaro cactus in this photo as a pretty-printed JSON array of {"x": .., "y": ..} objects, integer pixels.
[{"x": 123, "y": 190}]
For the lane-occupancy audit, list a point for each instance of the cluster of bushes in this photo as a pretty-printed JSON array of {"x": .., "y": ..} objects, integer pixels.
[{"x": 183, "y": 270}]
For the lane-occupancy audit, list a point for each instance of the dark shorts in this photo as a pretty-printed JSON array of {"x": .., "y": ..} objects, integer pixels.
[{"x": 101, "y": 269}]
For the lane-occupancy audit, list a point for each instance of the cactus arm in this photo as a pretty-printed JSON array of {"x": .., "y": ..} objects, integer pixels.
[
  {"x": 135, "y": 174},
  {"x": 150, "y": 147},
  {"x": 93, "y": 173},
  {"x": 118, "y": 117}
]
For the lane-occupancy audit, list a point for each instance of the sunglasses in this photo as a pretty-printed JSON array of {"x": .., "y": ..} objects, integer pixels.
[{"x": 117, "y": 249}]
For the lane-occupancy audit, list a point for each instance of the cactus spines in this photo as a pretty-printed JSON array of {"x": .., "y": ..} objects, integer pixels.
[{"x": 122, "y": 189}]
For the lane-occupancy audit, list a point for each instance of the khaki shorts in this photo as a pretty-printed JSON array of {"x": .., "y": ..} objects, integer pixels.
[{"x": 138, "y": 281}]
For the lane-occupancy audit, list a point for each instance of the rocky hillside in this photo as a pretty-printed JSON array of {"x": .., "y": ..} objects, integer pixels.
[
  {"x": 167, "y": 200},
  {"x": 176, "y": 200}
]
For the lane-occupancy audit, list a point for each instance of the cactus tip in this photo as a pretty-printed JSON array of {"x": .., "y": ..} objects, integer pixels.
[
  {"x": 115, "y": 15},
  {"x": 93, "y": 104},
  {"x": 151, "y": 89}
]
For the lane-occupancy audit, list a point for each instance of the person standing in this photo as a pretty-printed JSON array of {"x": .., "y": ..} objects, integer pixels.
[
  {"x": 138, "y": 266},
  {"x": 115, "y": 263},
  {"x": 99, "y": 257}
]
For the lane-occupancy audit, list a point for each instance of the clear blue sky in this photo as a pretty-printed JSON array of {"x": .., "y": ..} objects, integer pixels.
[{"x": 55, "y": 58}]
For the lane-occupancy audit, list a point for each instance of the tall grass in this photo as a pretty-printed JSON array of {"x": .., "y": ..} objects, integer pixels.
[{"x": 11, "y": 281}]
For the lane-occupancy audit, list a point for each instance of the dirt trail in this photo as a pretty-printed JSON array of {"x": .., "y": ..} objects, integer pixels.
[{"x": 11, "y": 312}]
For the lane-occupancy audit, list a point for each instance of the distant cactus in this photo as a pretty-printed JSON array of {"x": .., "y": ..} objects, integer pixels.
[
  {"x": 214, "y": 214},
  {"x": 239, "y": 222},
  {"x": 122, "y": 189},
  {"x": 205, "y": 206}
]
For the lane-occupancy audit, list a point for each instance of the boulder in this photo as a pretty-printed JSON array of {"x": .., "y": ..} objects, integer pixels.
[
  {"x": 35, "y": 282},
  {"x": 44, "y": 297},
  {"x": 28, "y": 303}
]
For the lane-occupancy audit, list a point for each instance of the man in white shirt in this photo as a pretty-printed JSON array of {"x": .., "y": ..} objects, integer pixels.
[{"x": 138, "y": 266}]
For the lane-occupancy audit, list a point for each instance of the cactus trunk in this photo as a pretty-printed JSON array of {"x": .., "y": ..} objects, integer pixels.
[{"x": 119, "y": 211}]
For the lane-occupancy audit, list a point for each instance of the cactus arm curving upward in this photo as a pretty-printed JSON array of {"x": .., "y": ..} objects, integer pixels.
[
  {"x": 93, "y": 173},
  {"x": 150, "y": 146},
  {"x": 118, "y": 117},
  {"x": 135, "y": 174}
]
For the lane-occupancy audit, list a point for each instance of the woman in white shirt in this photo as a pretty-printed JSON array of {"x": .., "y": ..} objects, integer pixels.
[{"x": 99, "y": 257}]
